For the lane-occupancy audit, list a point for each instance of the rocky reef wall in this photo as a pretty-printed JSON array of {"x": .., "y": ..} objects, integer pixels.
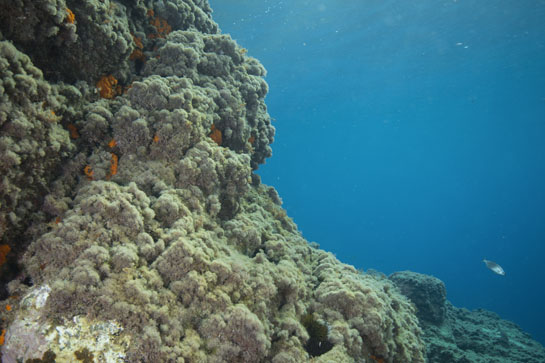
[{"x": 136, "y": 228}]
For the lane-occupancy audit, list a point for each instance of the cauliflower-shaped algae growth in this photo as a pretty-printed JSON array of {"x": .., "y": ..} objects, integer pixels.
[
  {"x": 32, "y": 142},
  {"x": 184, "y": 277}
]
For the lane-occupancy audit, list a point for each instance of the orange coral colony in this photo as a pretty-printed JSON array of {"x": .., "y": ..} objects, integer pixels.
[
  {"x": 88, "y": 172},
  {"x": 215, "y": 134},
  {"x": 138, "y": 42},
  {"x": 377, "y": 359},
  {"x": 4, "y": 250},
  {"x": 70, "y": 17},
  {"x": 112, "y": 143},
  {"x": 113, "y": 166},
  {"x": 73, "y": 131},
  {"x": 107, "y": 86},
  {"x": 137, "y": 53},
  {"x": 161, "y": 25}
]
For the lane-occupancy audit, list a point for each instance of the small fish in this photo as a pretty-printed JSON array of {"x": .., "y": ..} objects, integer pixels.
[{"x": 494, "y": 267}]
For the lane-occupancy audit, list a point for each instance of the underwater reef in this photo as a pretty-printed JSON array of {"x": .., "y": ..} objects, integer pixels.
[{"x": 133, "y": 226}]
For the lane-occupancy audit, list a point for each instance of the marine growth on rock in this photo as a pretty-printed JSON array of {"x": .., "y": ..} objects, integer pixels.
[{"x": 161, "y": 245}]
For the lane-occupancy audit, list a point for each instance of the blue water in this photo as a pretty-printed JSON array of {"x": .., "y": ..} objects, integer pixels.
[{"x": 411, "y": 135}]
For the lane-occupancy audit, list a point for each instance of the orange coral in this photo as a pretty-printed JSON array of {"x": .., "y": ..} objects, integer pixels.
[
  {"x": 215, "y": 134},
  {"x": 88, "y": 171},
  {"x": 3, "y": 337},
  {"x": 112, "y": 143},
  {"x": 377, "y": 359},
  {"x": 73, "y": 131},
  {"x": 137, "y": 53},
  {"x": 70, "y": 17},
  {"x": 8, "y": 307},
  {"x": 4, "y": 250},
  {"x": 156, "y": 138},
  {"x": 138, "y": 42},
  {"x": 107, "y": 86},
  {"x": 113, "y": 166},
  {"x": 162, "y": 27}
]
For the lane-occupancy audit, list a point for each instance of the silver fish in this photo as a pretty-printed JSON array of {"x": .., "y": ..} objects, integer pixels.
[{"x": 494, "y": 267}]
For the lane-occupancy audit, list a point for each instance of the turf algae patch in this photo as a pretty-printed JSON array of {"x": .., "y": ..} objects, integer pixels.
[{"x": 33, "y": 147}]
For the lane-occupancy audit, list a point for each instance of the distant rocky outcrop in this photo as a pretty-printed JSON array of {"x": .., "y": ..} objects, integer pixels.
[{"x": 455, "y": 335}]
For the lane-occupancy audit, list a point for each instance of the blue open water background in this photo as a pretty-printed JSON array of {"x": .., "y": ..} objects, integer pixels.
[{"x": 411, "y": 136}]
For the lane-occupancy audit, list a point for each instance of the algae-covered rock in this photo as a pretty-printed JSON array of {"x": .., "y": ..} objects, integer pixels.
[
  {"x": 111, "y": 260},
  {"x": 143, "y": 228},
  {"x": 129, "y": 133},
  {"x": 33, "y": 144}
]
